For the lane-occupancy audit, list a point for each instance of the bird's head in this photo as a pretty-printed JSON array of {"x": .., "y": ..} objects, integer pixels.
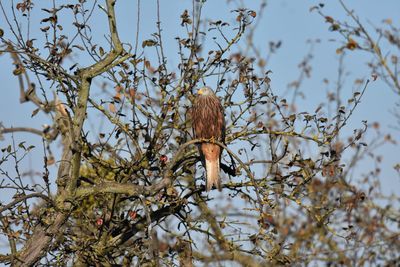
[{"x": 205, "y": 91}]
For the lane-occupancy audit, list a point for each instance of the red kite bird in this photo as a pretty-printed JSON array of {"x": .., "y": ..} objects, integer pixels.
[{"x": 208, "y": 122}]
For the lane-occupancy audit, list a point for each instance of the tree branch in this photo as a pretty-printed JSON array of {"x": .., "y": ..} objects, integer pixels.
[
  {"x": 23, "y": 198},
  {"x": 68, "y": 174}
]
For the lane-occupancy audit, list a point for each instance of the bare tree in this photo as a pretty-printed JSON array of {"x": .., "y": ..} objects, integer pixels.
[{"x": 131, "y": 191}]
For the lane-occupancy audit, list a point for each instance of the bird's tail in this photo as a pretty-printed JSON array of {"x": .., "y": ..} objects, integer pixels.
[
  {"x": 212, "y": 168},
  {"x": 212, "y": 153}
]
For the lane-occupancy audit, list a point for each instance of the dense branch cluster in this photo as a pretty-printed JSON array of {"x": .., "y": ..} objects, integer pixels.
[{"x": 121, "y": 182}]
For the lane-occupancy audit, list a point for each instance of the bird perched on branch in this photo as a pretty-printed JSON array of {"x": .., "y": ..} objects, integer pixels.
[{"x": 208, "y": 122}]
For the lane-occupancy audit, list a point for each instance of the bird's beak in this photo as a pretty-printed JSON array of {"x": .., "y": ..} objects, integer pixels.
[{"x": 200, "y": 92}]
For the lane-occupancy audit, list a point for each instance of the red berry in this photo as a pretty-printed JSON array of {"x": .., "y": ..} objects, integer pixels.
[
  {"x": 99, "y": 222},
  {"x": 132, "y": 214},
  {"x": 163, "y": 159}
]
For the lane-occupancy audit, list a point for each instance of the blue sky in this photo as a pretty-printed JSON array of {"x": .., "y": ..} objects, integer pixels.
[{"x": 288, "y": 21}]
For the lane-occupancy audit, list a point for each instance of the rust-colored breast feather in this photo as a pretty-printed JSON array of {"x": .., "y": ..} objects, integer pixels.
[
  {"x": 208, "y": 118},
  {"x": 208, "y": 122}
]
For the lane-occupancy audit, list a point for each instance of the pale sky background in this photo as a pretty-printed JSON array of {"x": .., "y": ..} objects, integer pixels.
[{"x": 288, "y": 21}]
